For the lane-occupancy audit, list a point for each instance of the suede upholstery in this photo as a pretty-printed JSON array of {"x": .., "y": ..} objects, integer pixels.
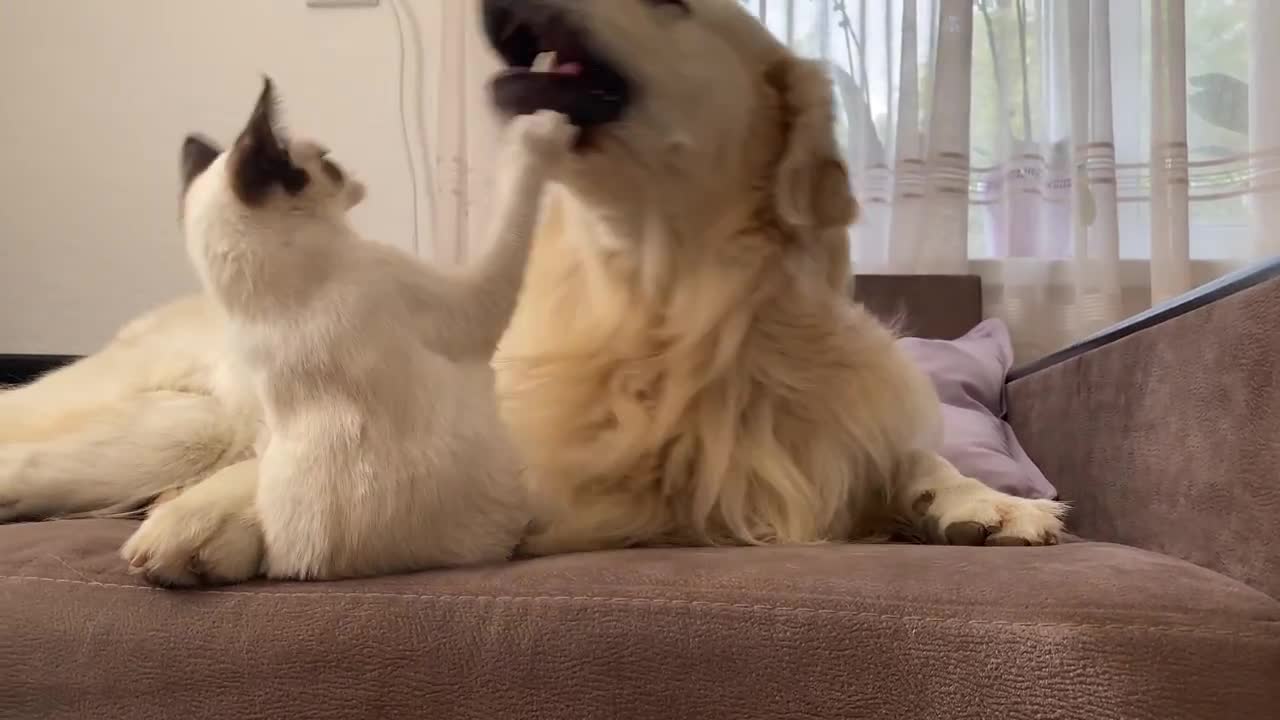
[
  {"x": 1169, "y": 439},
  {"x": 931, "y": 306},
  {"x": 1081, "y": 630}
]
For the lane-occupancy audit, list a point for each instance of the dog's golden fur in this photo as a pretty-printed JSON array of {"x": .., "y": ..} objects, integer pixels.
[{"x": 685, "y": 365}]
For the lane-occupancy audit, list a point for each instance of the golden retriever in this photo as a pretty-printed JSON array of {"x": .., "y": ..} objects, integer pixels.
[{"x": 684, "y": 365}]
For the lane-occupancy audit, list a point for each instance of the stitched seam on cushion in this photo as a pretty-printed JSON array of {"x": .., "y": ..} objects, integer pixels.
[
  {"x": 892, "y": 608},
  {"x": 662, "y": 602}
]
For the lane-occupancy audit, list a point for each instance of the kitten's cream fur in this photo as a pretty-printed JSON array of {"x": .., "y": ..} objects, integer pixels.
[{"x": 382, "y": 450}]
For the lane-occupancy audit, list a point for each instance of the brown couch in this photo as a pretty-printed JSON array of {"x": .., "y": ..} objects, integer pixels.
[{"x": 1164, "y": 433}]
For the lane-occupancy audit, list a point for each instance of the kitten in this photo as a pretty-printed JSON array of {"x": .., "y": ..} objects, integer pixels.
[{"x": 383, "y": 451}]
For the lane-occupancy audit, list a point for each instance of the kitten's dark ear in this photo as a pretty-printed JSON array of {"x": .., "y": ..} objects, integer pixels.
[
  {"x": 260, "y": 159},
  {"x": 198, "y": 153}
]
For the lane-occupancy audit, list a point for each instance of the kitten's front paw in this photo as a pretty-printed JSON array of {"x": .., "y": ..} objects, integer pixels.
[
  {"x": 180, "y": 545},
  {"x": 546, "y": 136},
  {"x": 208, "y": 534}
]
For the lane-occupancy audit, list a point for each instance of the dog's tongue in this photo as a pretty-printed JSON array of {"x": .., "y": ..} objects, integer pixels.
[
  {"x": 548, "y": 63},
  {"x": 548, "y": 84}
]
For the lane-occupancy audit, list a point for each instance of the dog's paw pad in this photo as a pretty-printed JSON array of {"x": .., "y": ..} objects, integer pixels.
[
  {"x": 966, "y": 532},
  {"x": 1007, "y": 541}
]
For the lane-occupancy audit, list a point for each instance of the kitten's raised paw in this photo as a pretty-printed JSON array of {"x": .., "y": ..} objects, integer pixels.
[{"x": 545, "y": 135}]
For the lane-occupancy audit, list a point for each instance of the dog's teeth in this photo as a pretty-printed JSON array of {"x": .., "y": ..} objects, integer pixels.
[{"x": 544, "y": 62}]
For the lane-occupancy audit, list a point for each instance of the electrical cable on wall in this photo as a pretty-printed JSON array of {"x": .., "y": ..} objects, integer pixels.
[
  {"x": 409, "y": 42},
  {"x": 420, "y": 104}
]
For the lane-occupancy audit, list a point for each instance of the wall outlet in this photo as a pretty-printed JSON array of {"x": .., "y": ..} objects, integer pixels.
[{"x": 341, "y": 3}]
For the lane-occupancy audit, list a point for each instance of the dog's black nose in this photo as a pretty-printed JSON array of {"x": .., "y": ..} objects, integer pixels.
[
  {"x": 500, "y": 17},
  {"x": 512, "y": 27}
]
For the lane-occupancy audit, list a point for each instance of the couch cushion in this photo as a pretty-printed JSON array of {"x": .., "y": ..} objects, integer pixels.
[
  {"x": 880, "y": 632},
  {"x": 969, "y": 375}
]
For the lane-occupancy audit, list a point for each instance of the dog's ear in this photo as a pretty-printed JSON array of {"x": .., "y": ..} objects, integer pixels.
[
  {"x": 260, "y": 159},
  {"x": 812, "y": 181}
]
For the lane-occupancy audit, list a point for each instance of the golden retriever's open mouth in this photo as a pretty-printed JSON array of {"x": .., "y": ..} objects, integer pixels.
[{"x": 551, "y": 65}]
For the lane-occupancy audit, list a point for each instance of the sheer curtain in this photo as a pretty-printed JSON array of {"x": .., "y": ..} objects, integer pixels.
[
  {"x": 457, "y": 131},
  {"x": 1088, "y": 158}
]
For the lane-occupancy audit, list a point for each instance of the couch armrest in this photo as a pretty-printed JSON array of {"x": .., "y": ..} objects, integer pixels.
[
  {"x": 1164, "y": 432},
  {"x": 22, "y": 369}
]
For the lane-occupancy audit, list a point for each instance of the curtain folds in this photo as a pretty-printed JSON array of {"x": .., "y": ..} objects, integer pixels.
[{"x": 1088, "y": 158}]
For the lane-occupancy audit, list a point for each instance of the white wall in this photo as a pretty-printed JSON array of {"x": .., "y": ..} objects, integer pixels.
[{"x": 95, "y": 98}]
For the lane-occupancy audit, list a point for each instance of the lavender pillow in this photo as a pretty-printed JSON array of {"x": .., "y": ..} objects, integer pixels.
[{"x": 969, "y": 375}]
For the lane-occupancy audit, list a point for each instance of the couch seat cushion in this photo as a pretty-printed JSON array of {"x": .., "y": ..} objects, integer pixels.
[{"x": 1081, "y": 630}]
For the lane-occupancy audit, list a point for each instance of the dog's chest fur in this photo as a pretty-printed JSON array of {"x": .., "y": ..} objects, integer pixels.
[{"x": 706, "y": 409}]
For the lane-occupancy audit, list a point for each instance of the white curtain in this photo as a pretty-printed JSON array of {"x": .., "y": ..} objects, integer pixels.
[
  {"x": 447, "y": 65},
  {"x": 1088, "y": 158}
]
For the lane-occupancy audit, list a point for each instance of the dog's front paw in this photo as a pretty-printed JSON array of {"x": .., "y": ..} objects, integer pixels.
[
  {"x": 545, "y": 136},
  {"x": 197, "y": 538},
  {"x": 973, "y": 514},
  {"x": 15, "y": 494},
  {"x": 9, "y": 510}
]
